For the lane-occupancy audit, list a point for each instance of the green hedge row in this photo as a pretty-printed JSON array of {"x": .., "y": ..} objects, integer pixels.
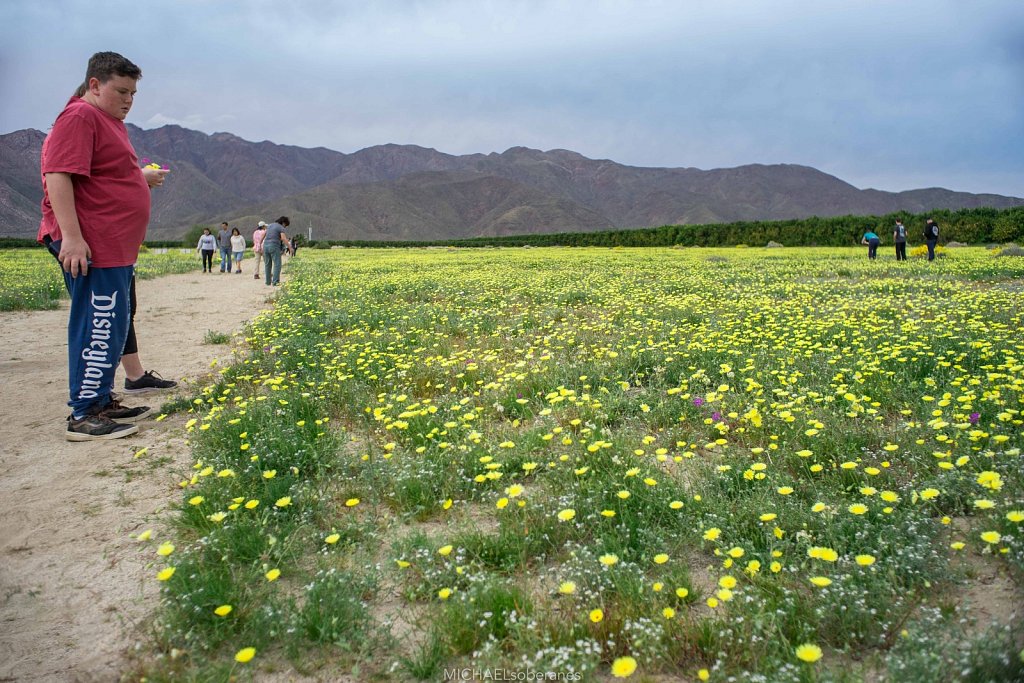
[{"x": 970, "y": 226}]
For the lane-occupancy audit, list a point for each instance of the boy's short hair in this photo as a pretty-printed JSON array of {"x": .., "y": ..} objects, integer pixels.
[
  {"x": 106, "y": 65},
  {"x": 283, "y": 220}
]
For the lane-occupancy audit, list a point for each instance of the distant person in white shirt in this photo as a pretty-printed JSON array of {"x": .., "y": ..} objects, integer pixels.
[{"x": 237, "y": 248}]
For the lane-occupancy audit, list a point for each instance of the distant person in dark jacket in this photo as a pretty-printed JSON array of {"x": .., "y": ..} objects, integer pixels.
[
  {"x": 872, "y": 240},
  {"x": 931, "y": 237},
  {"x": 899, "y": 237}
]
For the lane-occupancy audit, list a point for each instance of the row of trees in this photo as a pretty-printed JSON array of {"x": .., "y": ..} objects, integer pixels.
[{"x": 970, "y": 226}]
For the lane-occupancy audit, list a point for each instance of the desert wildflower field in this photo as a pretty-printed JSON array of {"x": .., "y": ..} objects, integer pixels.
[
  {"x": 593, "y": 464},
  {"x": 30, "y": 279}
]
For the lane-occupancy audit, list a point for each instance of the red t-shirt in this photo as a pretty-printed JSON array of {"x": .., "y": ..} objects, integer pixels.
[{"x": 111, "y": 195}]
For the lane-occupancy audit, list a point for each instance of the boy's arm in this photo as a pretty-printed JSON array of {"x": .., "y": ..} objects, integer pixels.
[{"x": 74, "y": 251}]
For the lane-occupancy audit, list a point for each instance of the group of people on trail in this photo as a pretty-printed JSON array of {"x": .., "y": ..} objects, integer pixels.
[
  {"x": 268, "y": 243},
  {"x": 899, "y": 238},
  {"x": 232, "y": 248}
]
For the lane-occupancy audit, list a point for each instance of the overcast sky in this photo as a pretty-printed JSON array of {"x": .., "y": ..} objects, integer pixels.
[{"x": 894, "y": 94}]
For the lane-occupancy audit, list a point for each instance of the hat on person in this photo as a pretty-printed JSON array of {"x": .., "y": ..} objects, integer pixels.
[{"x": 261, "y": 224}]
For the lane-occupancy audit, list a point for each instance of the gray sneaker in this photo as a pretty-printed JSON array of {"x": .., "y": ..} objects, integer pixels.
[{"x": 96, "y": 428}]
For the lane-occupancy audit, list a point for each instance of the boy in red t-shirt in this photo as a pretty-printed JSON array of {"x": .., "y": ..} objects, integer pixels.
[{"x": 95, "y": 210}]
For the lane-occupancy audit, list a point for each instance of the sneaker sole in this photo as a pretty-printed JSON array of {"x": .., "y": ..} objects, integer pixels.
[{"x": 121, "y": 433}]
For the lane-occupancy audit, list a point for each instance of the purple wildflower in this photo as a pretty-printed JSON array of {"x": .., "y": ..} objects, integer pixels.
[
  {"x": 698, "y": 401},
  {"x": 975, "y": 417}
]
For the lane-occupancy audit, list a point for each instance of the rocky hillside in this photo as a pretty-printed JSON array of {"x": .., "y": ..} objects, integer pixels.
[{"x": 409, "y": 192}]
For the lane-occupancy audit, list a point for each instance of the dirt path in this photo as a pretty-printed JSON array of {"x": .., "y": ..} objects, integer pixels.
[{"x": 74, "y": 584}]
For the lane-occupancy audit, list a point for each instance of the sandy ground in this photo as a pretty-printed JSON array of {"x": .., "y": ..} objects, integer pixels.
[{"x": 74, "y": 584}]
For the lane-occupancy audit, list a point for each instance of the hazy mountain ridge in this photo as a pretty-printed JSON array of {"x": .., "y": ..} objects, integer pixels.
[{"x": 409, "y": 192}]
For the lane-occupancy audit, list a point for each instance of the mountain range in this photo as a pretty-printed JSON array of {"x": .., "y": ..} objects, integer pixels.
[{"x": 405, "y": 192}]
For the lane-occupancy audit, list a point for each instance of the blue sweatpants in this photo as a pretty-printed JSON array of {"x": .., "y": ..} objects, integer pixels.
[{"x": 97, "y": 330}]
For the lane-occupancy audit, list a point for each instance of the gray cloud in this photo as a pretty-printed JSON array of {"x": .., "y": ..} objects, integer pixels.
[{"x": 882, "y": 94}]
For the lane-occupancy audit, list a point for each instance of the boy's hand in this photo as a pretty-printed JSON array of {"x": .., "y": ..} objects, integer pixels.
[
  {"x": 155, "y": 176},
  {"x": 74, "y": 256}
]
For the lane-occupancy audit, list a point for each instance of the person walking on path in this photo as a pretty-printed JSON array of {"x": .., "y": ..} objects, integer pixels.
[
  {"x": 237, "y": 248},
  {"x": 96, "y": 206},
  {"x": 257, "y": 246},
  {"x": 872, "y": 240},
  {"x": 274, "y": 243},
  {"x": 931, "y": 237},
  {"x": 899, "y": 238},
  {"x": 224, "y": 242},
  {"x": 207, "y": 245}
]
